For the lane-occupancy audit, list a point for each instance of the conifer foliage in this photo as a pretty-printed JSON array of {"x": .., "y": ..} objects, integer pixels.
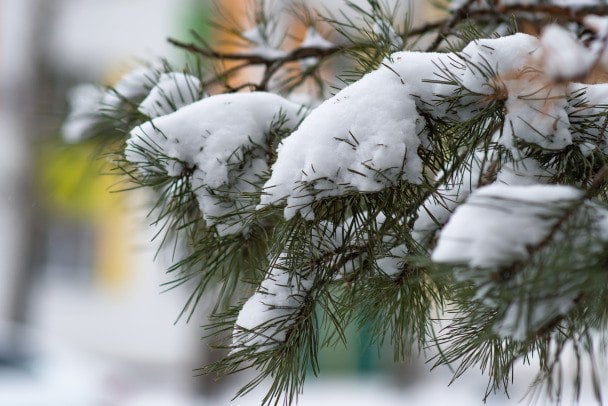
[{"x": 443, "y": 184}]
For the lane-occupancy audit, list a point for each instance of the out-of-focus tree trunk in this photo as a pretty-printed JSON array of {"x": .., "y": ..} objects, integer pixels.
[
  {"x": 25, "y": 95},
  {"x": 16, "y": 98}
]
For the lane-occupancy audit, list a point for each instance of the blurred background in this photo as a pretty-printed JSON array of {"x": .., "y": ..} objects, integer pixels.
[{"x": 83, "y": 317}]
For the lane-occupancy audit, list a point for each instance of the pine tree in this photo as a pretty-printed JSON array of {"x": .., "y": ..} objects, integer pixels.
[{"x": 443, "y": 184}]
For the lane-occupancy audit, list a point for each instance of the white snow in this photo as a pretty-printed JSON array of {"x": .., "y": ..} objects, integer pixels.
[
  {"x": 267, "y": 315},
  {"x": 313, "y": 39},
  {"x": 260, "y": 44},
  {"x": 386, "y": 31},
  {"x": 522, "y": 316},
  {"x": 392, "y": 264},
  {"x": 590, "y": 104},
  {"x": 564, "y": 58},
  {"x": 367, "y": 136},
  {"x": 90, "y": 104},
  {"x": 364, "y": 138},
  {"x": 599, "y": 24},
  {"x": 437, "y": 209},
  {"x": 89, "y": 39},
  {"x": 84, "y": 102},
  {"x": 213, "y": 137},
  {"x": 497, "y": 224},
  {"x": 172, "y": 91},
  {"x": 132, "y": 87},
  {"x": 522, "y": 172},
  {"x": 330, "y": 238},
  {"x": 270, "y": 311}
]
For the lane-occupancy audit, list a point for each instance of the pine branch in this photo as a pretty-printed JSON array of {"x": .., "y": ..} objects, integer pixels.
[{"x": 329, "y": 216}]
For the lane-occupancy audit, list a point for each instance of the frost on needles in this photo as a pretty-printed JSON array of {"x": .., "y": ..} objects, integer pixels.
[{"x": 473, "y": 180}]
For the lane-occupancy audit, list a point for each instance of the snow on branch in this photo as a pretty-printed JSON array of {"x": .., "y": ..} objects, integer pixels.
[
  {"x": 497, "y": 224},
  {"x": 84, "y": 101},
  {"x": 364, "y": 138},
  {"x": 368, "y": 136},
  {"x": 267, "y": 315},
  {"x": 172, "y": 91},
  {"x": 222, "y": 142}
]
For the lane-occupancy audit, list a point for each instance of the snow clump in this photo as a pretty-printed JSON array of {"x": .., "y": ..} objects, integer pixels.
[
  {"x": 172, "y": 91},
  {"x": 267, "y": 315},
  {"x": 223, "y": 141}
]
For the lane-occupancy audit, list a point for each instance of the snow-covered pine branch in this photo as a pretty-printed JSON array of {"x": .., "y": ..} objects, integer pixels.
[{"x": 473, "y": 176}]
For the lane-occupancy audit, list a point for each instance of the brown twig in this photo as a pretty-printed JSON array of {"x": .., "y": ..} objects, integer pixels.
[
  {"x": 457, "y": 16},
  {"x": 271, "y": 64},
  {"x": 498, "y": 11},
  {"x": 258, "y": 59}
]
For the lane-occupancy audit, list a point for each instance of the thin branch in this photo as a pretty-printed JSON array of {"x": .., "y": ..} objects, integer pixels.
[
  {"x": 271, "y": 64},
  {"x": 258, "y": 59},
  {"x": 577, "y": 13},
  {"x": 458, "y": 16}
]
